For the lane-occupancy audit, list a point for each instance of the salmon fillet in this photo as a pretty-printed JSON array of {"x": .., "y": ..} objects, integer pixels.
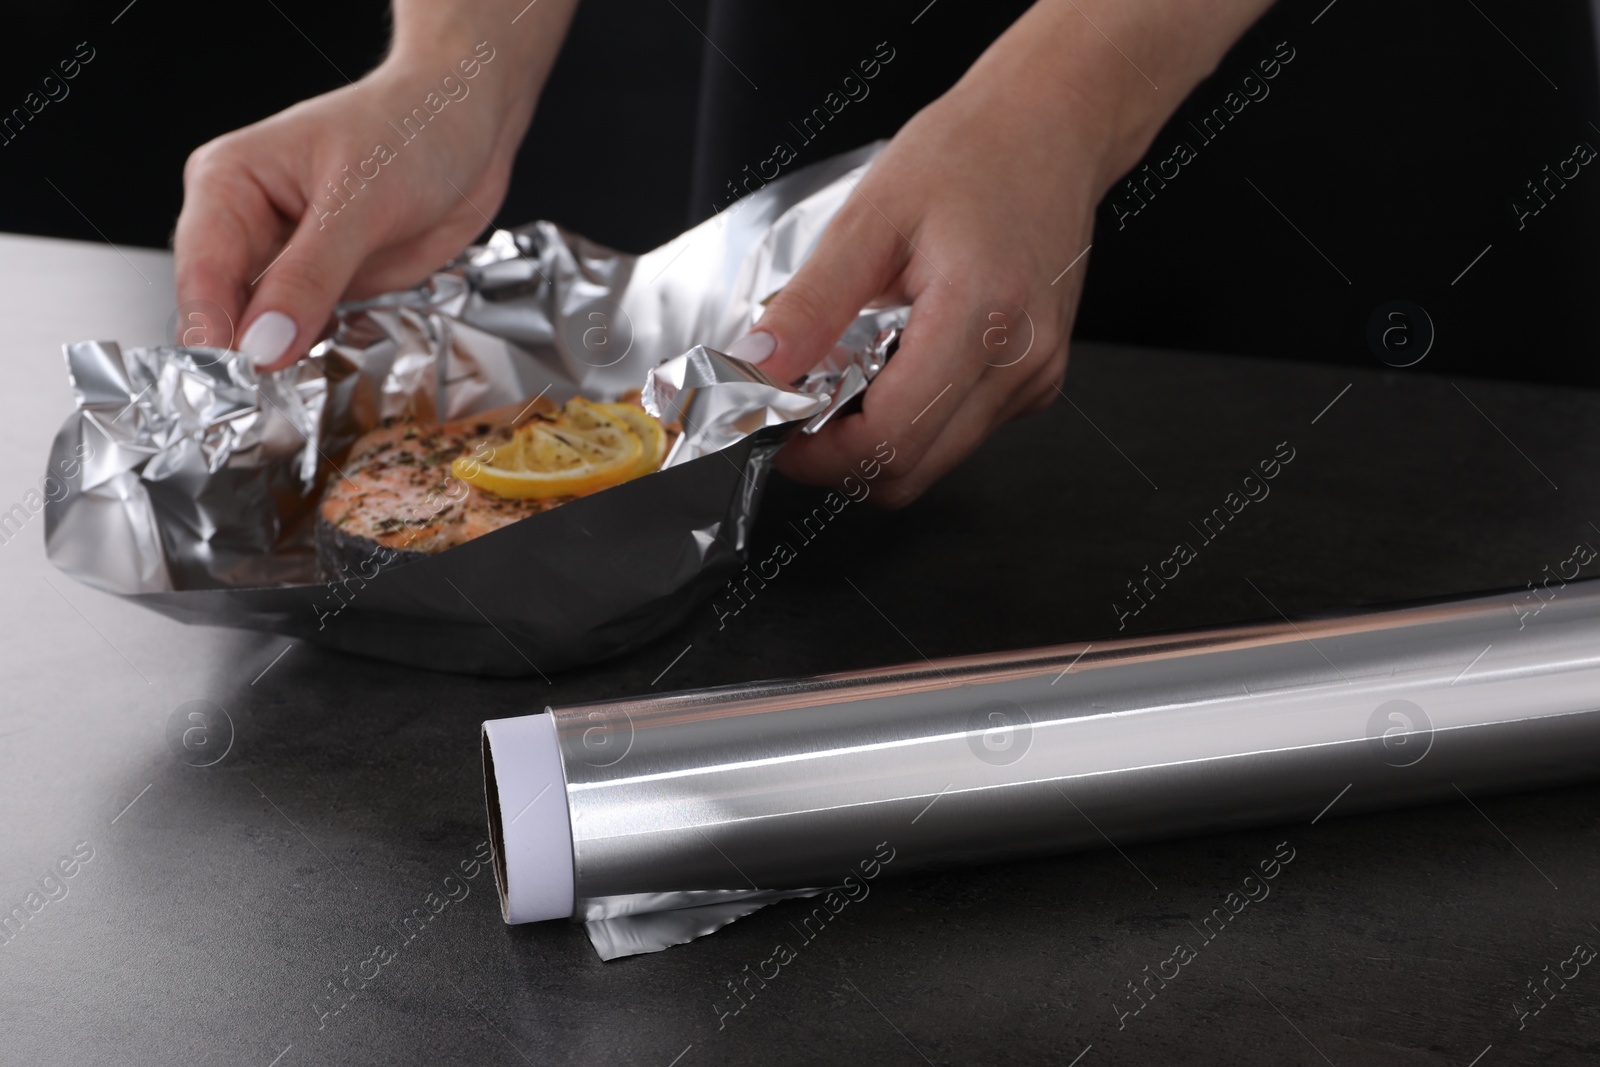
[
  {"x": 393, "y": 500},
  {"x": 394, "y": 495}
]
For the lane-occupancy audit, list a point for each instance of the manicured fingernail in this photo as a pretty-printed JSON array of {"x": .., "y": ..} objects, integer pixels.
[
  {"x": 753, "y": 347},
  {"x": 268, "y": 337}
]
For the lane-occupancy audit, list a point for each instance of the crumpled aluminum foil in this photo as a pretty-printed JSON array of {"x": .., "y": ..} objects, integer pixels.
[
  {"x": 199, "y": 496},
  {"x": 675, "y": 920}
]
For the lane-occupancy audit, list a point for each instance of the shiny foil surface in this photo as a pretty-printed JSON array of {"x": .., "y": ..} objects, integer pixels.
[
  {"x": 696, "y": 800},
  {"x": 202, "y": 478}
]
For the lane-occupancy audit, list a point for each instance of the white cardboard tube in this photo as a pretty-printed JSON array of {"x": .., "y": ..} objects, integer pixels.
[{"x": 528, "y": 820}]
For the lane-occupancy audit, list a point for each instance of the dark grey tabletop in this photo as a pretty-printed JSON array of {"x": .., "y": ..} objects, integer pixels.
[{"x": 253, "y": 911}]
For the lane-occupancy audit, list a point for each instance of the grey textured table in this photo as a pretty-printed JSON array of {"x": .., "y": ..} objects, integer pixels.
[{"x": 238, "y": 913}]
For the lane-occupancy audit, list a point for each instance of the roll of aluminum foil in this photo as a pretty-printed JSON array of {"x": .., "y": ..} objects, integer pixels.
[
  {"x": 684, "y": 811},
  {"x": 201, "y": 478}
]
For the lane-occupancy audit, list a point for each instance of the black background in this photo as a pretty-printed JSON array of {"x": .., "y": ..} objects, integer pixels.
[{"x": 1395, "y": 143}]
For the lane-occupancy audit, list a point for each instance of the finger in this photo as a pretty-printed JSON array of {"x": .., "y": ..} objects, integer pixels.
[
  {"x": 905, "y": 409},
  {"x": 295, "y": 295},
  {"x": 857, "y": 256},
  {"x": 1012, "y": 384},
  {"x": 402, "y": 265},
  {"x": 908, "y": 470},
  {"x": 1018, "y": 362},
  {"x": 226, "y": 222},
  {"x": 995, "y": 401}
]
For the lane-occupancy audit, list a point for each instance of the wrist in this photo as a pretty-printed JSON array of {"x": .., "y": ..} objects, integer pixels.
[
  {"x": 498, "y": 95},
  {"x": 473, "y": 62},
  {"x": 1105, "y": 75},
  {"x": 504, "y": 48}
]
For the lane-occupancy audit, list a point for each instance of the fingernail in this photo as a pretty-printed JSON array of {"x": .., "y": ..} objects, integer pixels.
[
  {"x": 753, "y": 347},
  {"x": 268, "y": 337}
]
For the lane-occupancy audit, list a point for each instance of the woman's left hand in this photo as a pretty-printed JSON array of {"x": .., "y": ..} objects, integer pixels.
[{"x": 979, "y": 214}]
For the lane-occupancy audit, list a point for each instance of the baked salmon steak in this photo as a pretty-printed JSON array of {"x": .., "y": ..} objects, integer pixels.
[{"x": 409, "y": 490}]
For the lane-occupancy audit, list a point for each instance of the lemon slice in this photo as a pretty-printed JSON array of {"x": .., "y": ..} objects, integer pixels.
[
  {"x": 652, "y": 435},
  {"x": 583, "y": 449}
]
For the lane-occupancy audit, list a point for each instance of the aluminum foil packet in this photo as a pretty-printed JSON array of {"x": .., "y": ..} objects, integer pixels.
[{"x": 201, "y": 479}]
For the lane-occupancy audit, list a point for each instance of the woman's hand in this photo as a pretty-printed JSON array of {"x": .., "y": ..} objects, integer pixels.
[
  {"x": 979, "y": 214},
  {"x": 362, "y": 190}
]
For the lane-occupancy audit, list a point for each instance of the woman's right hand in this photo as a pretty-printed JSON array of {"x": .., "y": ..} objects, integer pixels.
[{"x": 338, "y": 198}]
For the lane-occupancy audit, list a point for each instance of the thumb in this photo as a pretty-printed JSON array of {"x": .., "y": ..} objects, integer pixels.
[
  {"x": 853, "y": 262},
  {"x": 296, "y": 292}
]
